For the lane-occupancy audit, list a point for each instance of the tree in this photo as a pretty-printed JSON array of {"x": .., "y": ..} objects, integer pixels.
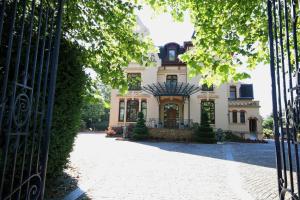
[
  {"x": 229, "y": 36},
  {"x": 140, "y": 131},
  {"x": 204, "y": 133},
  {"x": 268, "y": 123},
  {"x": 107, "y": 30}
]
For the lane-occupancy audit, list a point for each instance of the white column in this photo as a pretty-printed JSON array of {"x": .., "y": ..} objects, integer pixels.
[{"x": 140, "y": 105}]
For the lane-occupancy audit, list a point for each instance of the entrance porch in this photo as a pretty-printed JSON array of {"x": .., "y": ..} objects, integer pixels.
[{"x": 173, "y": 104}]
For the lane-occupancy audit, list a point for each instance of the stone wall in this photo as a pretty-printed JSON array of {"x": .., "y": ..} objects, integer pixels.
[{"x": 171, "y": 134}]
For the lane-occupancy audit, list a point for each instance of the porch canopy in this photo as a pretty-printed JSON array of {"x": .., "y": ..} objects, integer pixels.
[{"x": 171, "y": 89}]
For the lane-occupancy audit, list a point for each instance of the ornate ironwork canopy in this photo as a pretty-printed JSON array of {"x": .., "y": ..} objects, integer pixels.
[{"x": 171, "y": 89}]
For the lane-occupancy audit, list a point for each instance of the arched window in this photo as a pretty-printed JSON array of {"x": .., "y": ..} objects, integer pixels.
[
  {"x": 144, "y": 108},
  {"x": 234, "y": 116},
  {"x": 132, "y": 110},
  {"x": 243, "y": 116}
]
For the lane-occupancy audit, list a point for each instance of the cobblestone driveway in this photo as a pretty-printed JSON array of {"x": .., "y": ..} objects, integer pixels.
[{"x": 121, "y": 170}]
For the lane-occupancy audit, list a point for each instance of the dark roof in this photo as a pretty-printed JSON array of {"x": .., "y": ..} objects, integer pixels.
[{"x": 171, "y": 89}]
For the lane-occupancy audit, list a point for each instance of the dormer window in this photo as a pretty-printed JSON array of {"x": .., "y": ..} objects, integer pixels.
[{"x": 172, "y": 54}]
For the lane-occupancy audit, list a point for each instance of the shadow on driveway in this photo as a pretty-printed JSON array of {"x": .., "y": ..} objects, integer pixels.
[{"x": 255, "y": 154}]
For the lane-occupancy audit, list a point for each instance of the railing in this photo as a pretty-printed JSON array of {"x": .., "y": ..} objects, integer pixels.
[{"x": 169, "y": 123}]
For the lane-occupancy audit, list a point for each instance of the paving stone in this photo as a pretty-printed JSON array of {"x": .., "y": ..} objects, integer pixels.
[{"x": 123, "y": 170}]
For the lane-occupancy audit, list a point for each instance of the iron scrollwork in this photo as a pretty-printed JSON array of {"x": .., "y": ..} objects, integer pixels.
[
  {"x": 21, "y": 110},
  {"x": 29, "y": 46}
]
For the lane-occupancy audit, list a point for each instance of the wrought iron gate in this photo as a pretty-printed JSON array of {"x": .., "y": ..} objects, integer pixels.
[
  {"x": 29, "y": 40},
  {"x": 285, "y": 76}
]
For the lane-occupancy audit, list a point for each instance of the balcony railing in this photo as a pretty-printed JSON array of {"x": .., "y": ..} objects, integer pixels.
[{"x": 169, "y": 123}]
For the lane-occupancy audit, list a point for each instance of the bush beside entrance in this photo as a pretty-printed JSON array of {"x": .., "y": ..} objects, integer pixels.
[
  {"x": 140, "y": 131},
  {"x": 204, "y": 133}
]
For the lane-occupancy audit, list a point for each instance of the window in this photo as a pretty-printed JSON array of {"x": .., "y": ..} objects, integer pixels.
[
  {"x": 171, "y": 79},
  {"x": 132, "y": 110},
  {"x": 234, "y": 116},
  {"x": 209, "y": 108},
  {"x": 121, "y": 110},
  {"x": 134, "y": 81},
  {"x": 172, "y": 55},
  {"x": 242, "y": 117},
  {"x": 144, "y": 108},
  {"x": 232, "y": 92},
  {"x": 205, "y": 87}
]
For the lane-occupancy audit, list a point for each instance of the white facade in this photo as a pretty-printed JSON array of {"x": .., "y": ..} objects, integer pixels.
[
  {"x": 235, "y": 111},
  {"x": 224, "y": 107}
]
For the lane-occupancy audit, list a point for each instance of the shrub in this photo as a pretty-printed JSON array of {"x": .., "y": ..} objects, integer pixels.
[
  {"x": 130, "y": 129},
  {"x": 110, "y": 132},
  {"x": 204, "y": 133},
  {"x": 268, "y": 123},
  {"x": 100, "y": 126},
  {"x": 229, "y": 136},
  {"x": 94, "y": 115},
  {"x": 140, "y": 131},
  {"x": 267, "y": 133},
  {"x": 118, "y": 130}
]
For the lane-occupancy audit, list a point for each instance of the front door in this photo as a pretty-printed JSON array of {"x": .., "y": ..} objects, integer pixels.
[
  {"x": 171, "y": 118},
  {"x": 171, "y": 114},
  {"x": 252, "y": 125}
]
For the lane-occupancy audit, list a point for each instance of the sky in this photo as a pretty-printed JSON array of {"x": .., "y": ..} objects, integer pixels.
[{"x": 164, "y": 30}]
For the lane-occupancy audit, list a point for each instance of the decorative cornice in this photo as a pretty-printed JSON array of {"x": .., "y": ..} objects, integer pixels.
[
  {"x": 208, "y": 95},
  {"x": 134, "y": 94},
  {"x": 243, "y": 103}
]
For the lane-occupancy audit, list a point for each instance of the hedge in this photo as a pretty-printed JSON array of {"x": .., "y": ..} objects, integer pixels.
[{"x": 69, "y": 97}]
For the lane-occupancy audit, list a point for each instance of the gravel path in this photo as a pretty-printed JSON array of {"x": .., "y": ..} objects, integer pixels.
[{"x": 122, "y": 170}]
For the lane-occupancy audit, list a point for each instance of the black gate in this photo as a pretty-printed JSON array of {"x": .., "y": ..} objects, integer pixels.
[
  {"x": 285, "y": 74},
  {"x": 29, "y": 41}
]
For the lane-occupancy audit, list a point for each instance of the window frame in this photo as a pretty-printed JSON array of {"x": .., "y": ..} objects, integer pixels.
[
  {"x": 205, "y": 87},
  {"x": 235, "y": 92},
  {"x": 170, "y": 79},
  {"x": 144, "y": 106},
  {"x": 132, "y": 86},
  {"x": 175, "y": 54},
  {"x": 212, "y": 109},
  {"x": 244, "y": 117},
  {"x": 123, "y": 108},
  {"x": 234, "y": 117},
  {"x": 129, "y": 109}
]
